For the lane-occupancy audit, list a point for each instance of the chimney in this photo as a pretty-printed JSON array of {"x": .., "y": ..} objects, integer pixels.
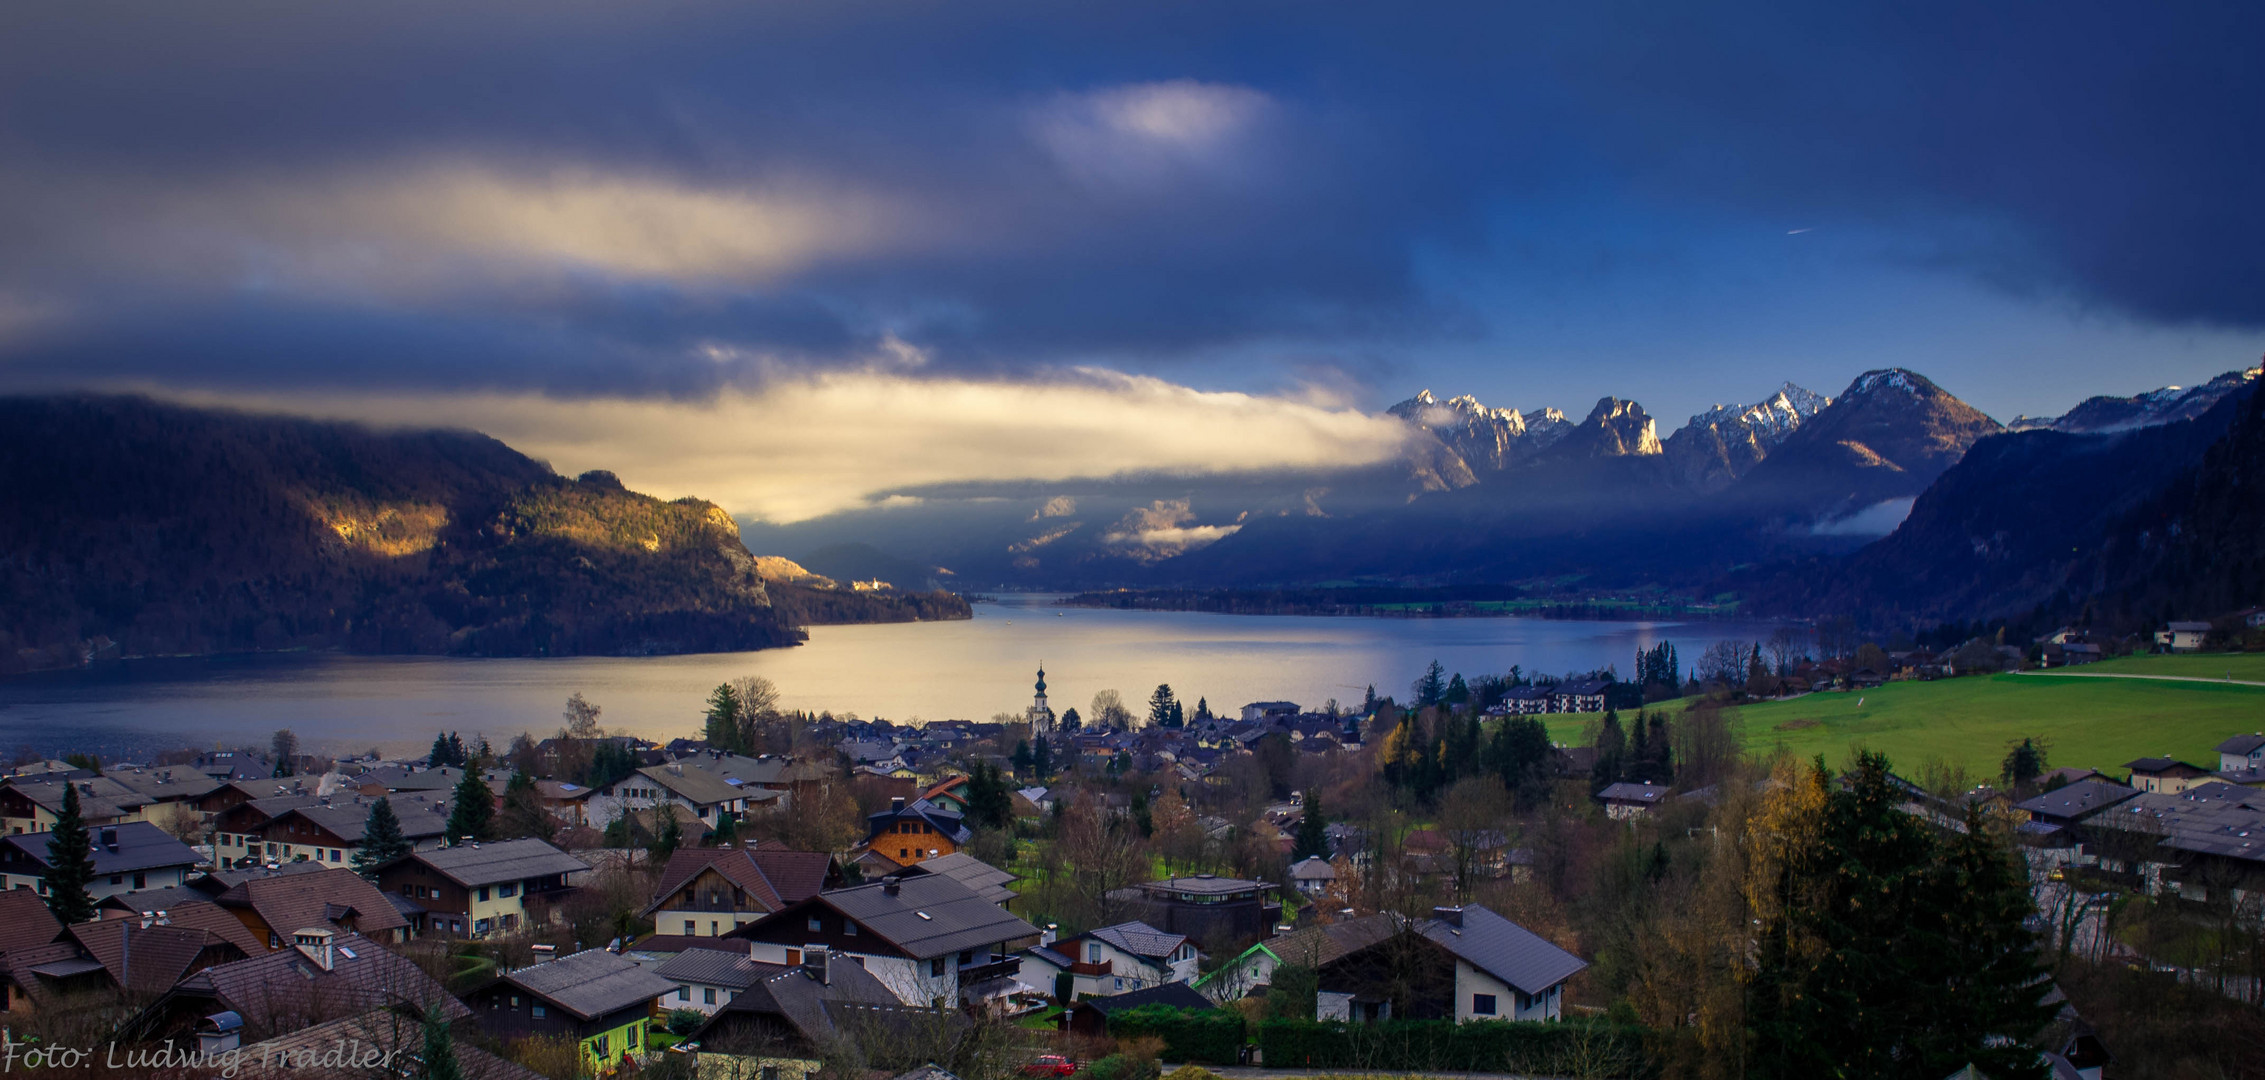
[
  {"x": 317, "y": 944},
  {"x": 816, "y": 960},
  {"x": 1048, "y": 936},
  {"x": 149, "y": 919},
  {"x": 163, "y": 918},
  {"x": 896, "y": 804},
  {"x": 1452, "y": 916},
  {"x": 545, "y": 952},
  {"x": 891, "y": 887},
  {"x": 110, "y": 839}
]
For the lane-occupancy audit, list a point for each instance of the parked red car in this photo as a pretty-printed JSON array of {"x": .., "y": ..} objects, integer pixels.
[{"x": 1050, "y": 1065}]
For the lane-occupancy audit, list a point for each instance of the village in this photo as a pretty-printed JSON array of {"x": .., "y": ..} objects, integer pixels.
[{"x": 1037, "y": 894}]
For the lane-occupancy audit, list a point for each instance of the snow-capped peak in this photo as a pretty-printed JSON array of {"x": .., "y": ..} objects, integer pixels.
[{"x": 1886, "y": 379}]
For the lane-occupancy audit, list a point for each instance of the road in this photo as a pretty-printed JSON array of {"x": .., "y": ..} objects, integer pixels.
[{"x": 2064, "y": 673}]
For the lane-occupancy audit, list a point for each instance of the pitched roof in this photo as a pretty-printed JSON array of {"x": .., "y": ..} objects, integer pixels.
[
  {"x": 2241, "y": 744},
  {"x": 948, "y": 822},
  {"x": 926, "y": 916},
  {"x": 1313, "y": 868},
  {"x": 509, "y": 860},
  {"x": 346, "y": 818},
  {"x": 733, "y": 864},
  {"x": 1504, "y": 949},
  {"x": 1318, "y": 945},
  {"x": 1204, "y": 885},
  {"x": 202, "y": 914},
  {"x": 796, "y": 875},
  {"x": 2163, "y": 765},
  {"x": 25, "y": 921},
  {"x": 141, "y": 846},
  {"x": 160, "y": 955},
  {"x": 816, "y": 1010},
  {"x": 591, "y": 983},
  {"x": 294, "y": 1056},
  {"x": 988, "y": 881},
  {"x": 711, "y": 967},
  {"x": 330, "y": 897},
  {"x": 1643, "y": 794},
  {"x": 2077, "y": 800},
  {"x": 284, "y": 989},
  {"x": 1139, "y": 939}
]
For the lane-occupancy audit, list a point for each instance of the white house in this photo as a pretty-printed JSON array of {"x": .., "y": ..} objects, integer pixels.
[
  {"x": 2183, "y": 636},
  {"x": 1115, "y": 959}
]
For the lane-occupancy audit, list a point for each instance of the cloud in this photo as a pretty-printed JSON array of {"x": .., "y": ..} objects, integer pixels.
[
  {"x": 809, "y": 445},
  {"x": 1151, "y": 135},
  {"x": 1878, "y": 519}
]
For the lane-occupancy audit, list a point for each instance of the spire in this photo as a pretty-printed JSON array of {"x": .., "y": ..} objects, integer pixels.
[{"x": 1041, "y": 676}]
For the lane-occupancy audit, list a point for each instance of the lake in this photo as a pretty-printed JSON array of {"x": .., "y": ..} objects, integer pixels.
[{"x": 903, "y": 671}]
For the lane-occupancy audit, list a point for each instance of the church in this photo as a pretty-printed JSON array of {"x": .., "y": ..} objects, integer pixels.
[{"x": 1040, "y": 715}]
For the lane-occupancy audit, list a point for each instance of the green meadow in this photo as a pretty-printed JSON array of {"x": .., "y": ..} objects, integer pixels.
[{"x": 2090, "y": 722}]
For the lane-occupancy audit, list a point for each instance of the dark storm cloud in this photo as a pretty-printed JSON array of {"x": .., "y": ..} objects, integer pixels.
[{"x": 664, "y": 198}]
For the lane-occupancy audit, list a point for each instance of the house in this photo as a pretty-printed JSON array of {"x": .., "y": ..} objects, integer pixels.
[
  {"x": 705, "y": 892},
  {"x": 781, "y": 1024},
  {"x": 2070, "y": 774},
  {"x": 710, "y": 974},
  {"x": 1205, "y": 907},
  {"x": 1464, "y": 964},
  {"x": 1310, "y": 947},
  {"x": 600, "y": 1000},
  {"x": 987, "y": 881},
  {"x": 474, "y": 890},
  {"x": 710, "y": 784},
  {"x": 271, "y": 907},
  {"x": 394, "y": 1034},
  {"x": 2242, "y": 754},
  {"x": 239, "y": 825},
  {"x": 323, "y": 976},
  {"x": 127, "y": 857},
  {"x": 1312, "y": 875},
  {"x": 2070, "y": 804},
  {"x": 906, "y": 833},
  {"x": 29, "y": 803},
  {"x": 2164, "y": 775},
  {"x": 2183, "y": 636},
  {"x": 928, "y": 938},
  {"x": 1624, "y": 801},
  {"x": 1268, "y": 711},
  {"x": 1578, "y": 695},
  {"x": 951, "y": 794},
  {"x": 145, "y": 955},
  {"x": 329, "y": 829},
  {"x": 1090, "y": 1016},
  {"x": 1112, "y": 960}
]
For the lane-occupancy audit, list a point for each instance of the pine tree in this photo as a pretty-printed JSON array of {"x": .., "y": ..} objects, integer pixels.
[
  {"x": 70, "y": 863},
  {"x": 1162, "y": 706},
  {"x": 473, "y": 815},
  {"x": 456, "y": 755},
  {"x": 669, "y": 835},
  {"x": 1042, "y": 759},
  {"x": 382, "y": 841},
  {"x": 1368, "y": 701},
  {"x": 439, "y": 757},
  {"x": 1988, "y": 960},
  {"x": 1021, "y": 757},
  {"x": 1070, "y": 720},
  {"x": 727, "y": 830},
  {"x": 1313, "y": 832},
  {"x": 723, "y": 718},
  {"x": 1202, "y": 710},
  {"x": 439, "y": 1056},
  {"x": 1430, "y": 686},
  {"x": 1457, "y": 691},
  {"x": 523, "y": 813},
  {"x": 1611, "y": 748}
]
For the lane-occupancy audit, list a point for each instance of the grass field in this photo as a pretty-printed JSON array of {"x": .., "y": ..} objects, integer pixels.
[{"x": 2095, "y": 723}]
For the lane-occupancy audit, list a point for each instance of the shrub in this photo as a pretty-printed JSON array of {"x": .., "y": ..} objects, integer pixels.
[
  {"x": 1210, "y": 1036},
  {"x": 684, "y": 1021},
  {"x": 1122, "y": 1067}
]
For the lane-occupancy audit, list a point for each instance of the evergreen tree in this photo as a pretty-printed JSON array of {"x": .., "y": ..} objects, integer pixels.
[
  {"x": 1163, "y": 708},
  {"x": 481, "y": 755},
  {"x": 382, "y": 841},
  {"x": 990, "y": 803},
  {"x": 70, "y": 863},
  {"x": 1521, "y": 754},
  {"x": 619, "y": 833},
  {"x": 1070, "y": 721},
  {"x": 523, "y": 813},
  {"x": 1313, "y": 835},
  {"x": 668, "y": 835},
  {"x": 1457, "y": 691},
  {"x": 1141, "y": 817},
  {"x": 723, "y": 718},
  {"x": 1042, "y": 760},
  {"x": 1179, "y": 716},
  {"x": 456, "y": 755},
  {"x": 727, "y": 830},
  {"x": 1021, "y": 757},
  {"x": 439, "y": 757},
  {"x": 2024, "y": 764},
  {"x": 473, "y": 815},
  {"x": 1431, "y": 686},
  {"x": 438, "y": 1059},
  {"x": 1995, "y": 980},
  {"x": 1611, "y": 748},
  {"x": 1368, "y": 701},
  {"x": 1202, "y": 710}
]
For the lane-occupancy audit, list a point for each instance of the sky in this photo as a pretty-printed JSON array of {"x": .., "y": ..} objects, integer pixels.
[{"x": 788, "y": 256}]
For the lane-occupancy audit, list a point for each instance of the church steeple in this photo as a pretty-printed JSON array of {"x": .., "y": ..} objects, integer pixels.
[{"x": 1040, "y": 715}]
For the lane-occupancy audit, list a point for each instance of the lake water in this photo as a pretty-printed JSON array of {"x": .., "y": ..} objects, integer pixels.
[{"x": 905, "y": 671}]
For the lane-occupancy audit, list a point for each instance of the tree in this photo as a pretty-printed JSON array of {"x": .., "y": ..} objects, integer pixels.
[
  {"x": 1431, "y": 686},
  {"x": 456, "y": 752},
  {"x": 1522, "y": 756},
  {"x": 1785, "y": 647},
  {"x": 1163, "y": 708},
  {"x": 1021, "y": 759},
  {"x": 668, "y": 835},
  {"x": 1611, "y": 748},
  {"x": 1070, "y": 720},
  {"x": 523, "y": 813},
  {"x": 70, "y": 863},
  {"x": 1470, "y": 817},
  {"x": 285, "y": 748},
  {"x": 723, "y": 718},
  {"x": 1313, "y": 832},
  {"x": 1109, "y": 711},
  {"x": 1042, "y": 758},
  {"x": 439, "y": 757},
  {"x": 758, "y": 713},
  {"x": 438, "y": 1059},
  {"x": 472, "y": 816},
  {"x": 990, "y": 804},
  {"x": 382, "y": 841},
  {"x": 727, "y": 830},
  {"x": 1202, "y": 710},
  {"x": 2024, "y": 764},
  {"x": 1458, "y": 692},
  {"x": 582, "y": 718}
]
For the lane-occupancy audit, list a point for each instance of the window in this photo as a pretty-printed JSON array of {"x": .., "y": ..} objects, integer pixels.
[
  {"x": 903, "y": 854},
  {"x": 966, "y": 957},
  {"x": 708, "y": 995},
  {"x": 538, "y": 1012},
  {"x": 794, "y": 957},
  {"x": 502, "y": 891},
  {"x": 409, "y": 891},
  {"x": 683, "y": 993},
  {"x": 483, "y": 893},
  {"x": 1482, "y": 1004},
  {"x": 141, "y": 881},
  {"x": 335, "y": 855},
  {"x": 117, "y": 879},
  {"x": 770, "y": 1072},
  {"x": 936, "y": 967},
  {"x": 1092, "y": 952},
  {"x": 691, "y": 928},
  {"x": 815, "y": 926},
  {"x": 849, "y": 929}
]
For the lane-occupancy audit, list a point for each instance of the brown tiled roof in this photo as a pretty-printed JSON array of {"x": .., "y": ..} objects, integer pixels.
[
  {"x": 25, "y": 921},
  {"x": 387, "y": 1030},
  {"x": 774, "y": 877},
  {"x": 324, "y": 898},
  {"x": 285, "y": 990},
  {"x": 206, "y": 915},
  {"x": 161, "y": 955},
  {"x": 796, "y": 875},
  {"x": 16, "y": 965}
]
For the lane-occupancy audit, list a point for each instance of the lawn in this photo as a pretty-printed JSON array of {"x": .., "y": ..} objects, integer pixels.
[
  {"x": 2096, "y": 723},
  {"x": 2249, "y": 666}
]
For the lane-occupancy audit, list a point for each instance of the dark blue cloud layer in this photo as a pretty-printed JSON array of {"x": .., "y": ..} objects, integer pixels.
[{"x": 2108, "y": 153}]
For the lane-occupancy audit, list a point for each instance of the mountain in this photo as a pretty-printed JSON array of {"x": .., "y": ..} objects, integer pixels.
[
  {"x": 1614, "y": 428},
  {"x": 1885, "y": 438},
  {"x": 2121, "y": 527},
  {"x": 1488, "y": 440},
  {"x": 132, "y": 527},
  {"x": 1720, "y": 445},
  {"x": 2100, "y": 415}
]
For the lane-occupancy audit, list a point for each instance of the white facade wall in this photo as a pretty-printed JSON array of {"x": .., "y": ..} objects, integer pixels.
[{"x": 1509, "y": 1004}]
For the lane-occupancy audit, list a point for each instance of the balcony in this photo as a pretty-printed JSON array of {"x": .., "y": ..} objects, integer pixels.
[
  {"x": 974, "y": 975},
  {"x": 1104, "y": 968}
]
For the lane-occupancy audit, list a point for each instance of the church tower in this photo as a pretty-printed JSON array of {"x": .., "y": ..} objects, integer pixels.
[{"x": 1041, "y": 717}]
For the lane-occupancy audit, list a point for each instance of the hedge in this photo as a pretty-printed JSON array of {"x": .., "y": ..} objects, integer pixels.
[
  {"x": 1551, "y": 1048},
  {"x": 1207, "y": 1036}
]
